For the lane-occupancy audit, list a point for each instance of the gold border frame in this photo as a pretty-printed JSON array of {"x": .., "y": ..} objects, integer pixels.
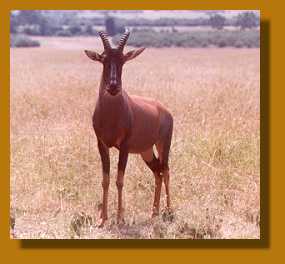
[{"x": 46, "y": 249}]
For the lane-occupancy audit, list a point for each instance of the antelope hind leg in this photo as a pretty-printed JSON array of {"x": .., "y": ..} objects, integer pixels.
[
  {"x": 153, "y": 163},
  {"x": 163, "y": 148}
]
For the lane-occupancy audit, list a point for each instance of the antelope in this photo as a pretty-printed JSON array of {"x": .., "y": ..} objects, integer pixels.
[{"x": 132, "y": 124}]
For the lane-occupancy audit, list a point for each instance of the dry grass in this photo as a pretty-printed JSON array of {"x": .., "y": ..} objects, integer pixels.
[{"x": 55, "y": 166}]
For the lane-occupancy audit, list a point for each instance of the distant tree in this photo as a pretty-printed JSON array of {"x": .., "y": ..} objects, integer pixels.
[
  {"x": 39, "y": 25},
  {"x": 247, "y": 20},
  {"x": 29, "y": 17},
  {"x": 217, "y": 21},
  {"x": 110, "y": 26},
  {"x": 75, "y": 30},
  {"x": 45, "y": 28},
  {"x": 89, "y": 30},
  {"x": 113, "y": 27},
  {"x": 120, "y": 29}
]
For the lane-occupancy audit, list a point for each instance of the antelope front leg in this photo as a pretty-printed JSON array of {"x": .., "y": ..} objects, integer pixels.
[
  {"x": 123, "y": 158},
  {"x": 105, "y": 158}
]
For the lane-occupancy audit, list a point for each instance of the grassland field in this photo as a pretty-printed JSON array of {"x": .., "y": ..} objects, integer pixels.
[{"x": 213, "y": 94}]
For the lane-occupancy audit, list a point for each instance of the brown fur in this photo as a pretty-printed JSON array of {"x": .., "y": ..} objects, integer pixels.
[{"x": 132, "y": 124}]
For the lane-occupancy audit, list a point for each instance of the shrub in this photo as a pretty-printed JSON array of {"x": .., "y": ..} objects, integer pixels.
[
  {"x": 23, "y": 41},
  {"x": 75, "y": 30},
  {"x": 63, "y": 33},
  {"x": 222, "y": 43},
  {"x": 33, "y": 31},
  {"x": 89, "y": 30},
  {"x": 239, "y": 44}
]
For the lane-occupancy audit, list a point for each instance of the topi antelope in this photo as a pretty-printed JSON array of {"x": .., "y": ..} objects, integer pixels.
[{"x": 132, "y": 124}]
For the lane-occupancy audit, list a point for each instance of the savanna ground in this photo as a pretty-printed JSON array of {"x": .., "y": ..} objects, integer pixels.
[{"x": 213, "y": 95}]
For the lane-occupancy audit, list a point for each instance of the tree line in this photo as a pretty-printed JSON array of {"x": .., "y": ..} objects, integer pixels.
[{"x": 33, "y": 22}]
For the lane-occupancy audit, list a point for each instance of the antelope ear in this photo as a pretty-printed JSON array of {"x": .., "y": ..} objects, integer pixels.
[
  {"x": 132, "y": 54},
  {"x": 93, "y": 55}
]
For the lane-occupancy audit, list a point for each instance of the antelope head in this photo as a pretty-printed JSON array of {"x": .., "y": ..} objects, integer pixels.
[{"x": 113, "y": 60}]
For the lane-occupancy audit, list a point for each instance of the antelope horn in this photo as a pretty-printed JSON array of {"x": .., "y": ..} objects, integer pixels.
[
  {"x": 105, "y": 40},
  {"x": 123, "y": 40}
]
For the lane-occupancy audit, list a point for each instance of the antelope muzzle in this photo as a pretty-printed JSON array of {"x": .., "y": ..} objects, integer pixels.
[{"x": 114, "y": 86}]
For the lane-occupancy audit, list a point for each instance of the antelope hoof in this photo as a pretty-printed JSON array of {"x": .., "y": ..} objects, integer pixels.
[
  {"x": 167, "y": 215},
  {"x": 155, "y": 213},
  {"x": 100, "y": 223},
  {"x": 120, "y": 220}
]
